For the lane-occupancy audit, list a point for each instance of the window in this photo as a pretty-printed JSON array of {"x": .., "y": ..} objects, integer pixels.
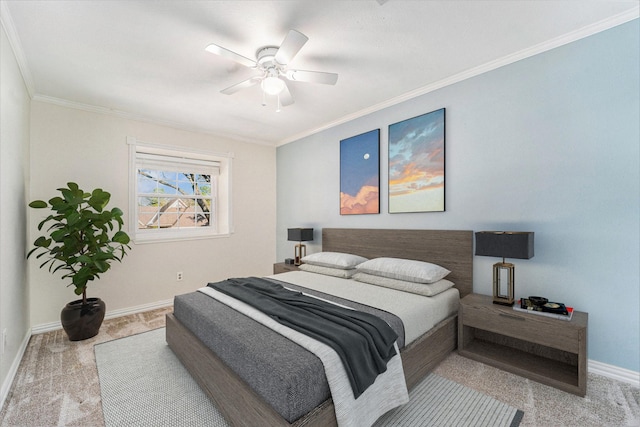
[{"x": 177, "y": 194}]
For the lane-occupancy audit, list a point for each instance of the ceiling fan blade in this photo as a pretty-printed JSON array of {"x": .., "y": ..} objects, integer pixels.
[
  {"x": 312, "y": 77},
  {"x": 285, "y": 97},
  {"x": 219, "y": 50},
  {"x": 290, "y": 46},
  {"x": 242, "y": 85}
]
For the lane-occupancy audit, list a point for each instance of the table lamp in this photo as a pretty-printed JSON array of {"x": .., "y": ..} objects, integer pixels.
[
  {"x": 300, "y": 235},
  {"x": 505, "y": 244}
]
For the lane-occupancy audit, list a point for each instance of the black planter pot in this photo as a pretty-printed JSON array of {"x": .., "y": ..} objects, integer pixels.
[{"x": 81, "y": 321}]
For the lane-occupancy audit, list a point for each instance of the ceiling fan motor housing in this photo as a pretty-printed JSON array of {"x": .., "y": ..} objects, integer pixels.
[{"x": 267, "y": 57}]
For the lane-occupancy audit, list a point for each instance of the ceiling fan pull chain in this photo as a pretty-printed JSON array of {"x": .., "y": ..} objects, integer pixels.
[
  {"x": 264, "y": 99},
  {"x": 279, "y": 106}
]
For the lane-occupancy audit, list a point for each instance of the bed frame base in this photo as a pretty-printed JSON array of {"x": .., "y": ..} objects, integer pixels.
[{"x": 241, "y": 406}]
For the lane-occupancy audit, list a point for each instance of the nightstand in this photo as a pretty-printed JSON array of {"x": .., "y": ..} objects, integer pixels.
[
  {"x": 281, "y": 267},
  {"x": 546, "y": 350}
]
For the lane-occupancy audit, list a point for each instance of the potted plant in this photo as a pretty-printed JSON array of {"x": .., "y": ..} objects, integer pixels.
[{"x": 81, "y": 240}]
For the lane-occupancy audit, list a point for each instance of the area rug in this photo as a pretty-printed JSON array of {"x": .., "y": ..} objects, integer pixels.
[{"x": 143, "y": 383}]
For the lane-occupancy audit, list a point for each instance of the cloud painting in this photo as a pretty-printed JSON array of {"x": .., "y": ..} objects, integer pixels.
[
  {"x": 360, "y": 174},
  {"x": 416, "y": 164}
]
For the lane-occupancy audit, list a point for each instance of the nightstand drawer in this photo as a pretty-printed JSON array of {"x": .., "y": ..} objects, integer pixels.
[{"x": 525, "y": 327}]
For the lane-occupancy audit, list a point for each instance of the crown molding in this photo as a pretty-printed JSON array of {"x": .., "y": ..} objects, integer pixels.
[
  {"x": 586, "y": 31},
  {"x": 16, "y": 46},
  {"x": 140, "y": 118}
]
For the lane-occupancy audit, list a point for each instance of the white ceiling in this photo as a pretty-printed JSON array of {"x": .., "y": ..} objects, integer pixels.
[{"x": 146, "y": 59}]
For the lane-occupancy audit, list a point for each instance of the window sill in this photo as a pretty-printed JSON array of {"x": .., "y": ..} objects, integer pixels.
[{"x": 157, "y": 239}]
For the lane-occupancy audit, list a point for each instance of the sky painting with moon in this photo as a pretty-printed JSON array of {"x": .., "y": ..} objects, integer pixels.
[
  {"x": 416, "y": 164},
  {"x": 360, "y": 174}
]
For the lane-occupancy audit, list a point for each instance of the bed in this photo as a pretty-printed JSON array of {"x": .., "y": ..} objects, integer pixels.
[{"x": 241, "y": 405}]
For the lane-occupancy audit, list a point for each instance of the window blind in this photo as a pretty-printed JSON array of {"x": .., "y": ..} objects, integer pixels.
[{"x": 177, "y": 164}]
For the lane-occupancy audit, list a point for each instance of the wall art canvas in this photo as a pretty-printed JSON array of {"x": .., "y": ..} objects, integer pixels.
[
  {"x": 360, "y": 174},
  {"x": 416, "y": 164}
]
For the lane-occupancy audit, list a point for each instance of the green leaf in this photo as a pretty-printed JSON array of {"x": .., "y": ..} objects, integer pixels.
[
  {"x": 102, "y": 266},
  {"x": 38, "y": 204},
  {"x": 42, "y": 242},
  {"x": 66, "y": 194},
  {"x": 59, "y": 235},
  {"x": 121, "y": 237},
  {"x": 73, "y": 196},
  {"x": 73, "y": 218},
  {"x": 61, "y": 267},
  {"x": 84, "y": 259},
  {"x": 99, "y": 199},
  {"x": 106, "y": 217},
  {"x": 44, "y": 221},
  {"x": 56, "y": 200},
  {"x": 82, "y": 277}
]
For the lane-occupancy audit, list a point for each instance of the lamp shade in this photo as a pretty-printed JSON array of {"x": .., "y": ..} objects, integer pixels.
[
  {"x": 300, "y": 234},
  {"x": 505, "y": 244}
]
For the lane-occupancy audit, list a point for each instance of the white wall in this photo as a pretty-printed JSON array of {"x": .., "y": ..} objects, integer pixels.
[
  {"x": 549, "y": 144},
  {"x": 14, "y": 178},
  {"x": 90, "y": 149}
]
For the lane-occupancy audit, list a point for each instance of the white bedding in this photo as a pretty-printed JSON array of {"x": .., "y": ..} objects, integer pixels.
[
  {"x": 418, "y": 313},
  {"x": 388, "y": 391}
]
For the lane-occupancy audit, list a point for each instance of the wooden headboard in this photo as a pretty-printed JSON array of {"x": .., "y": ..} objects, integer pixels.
[{"x": 452, "y": 249}]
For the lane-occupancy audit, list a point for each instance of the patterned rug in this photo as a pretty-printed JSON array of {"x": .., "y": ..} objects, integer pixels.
[{"x": 142, "y": 383}]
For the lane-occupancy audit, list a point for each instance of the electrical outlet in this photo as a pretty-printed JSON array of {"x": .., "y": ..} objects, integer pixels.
[{"x": 179, "y": 276}]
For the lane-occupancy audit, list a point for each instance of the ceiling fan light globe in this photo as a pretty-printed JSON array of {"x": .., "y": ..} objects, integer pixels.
[{"x": 272, "y": 85}]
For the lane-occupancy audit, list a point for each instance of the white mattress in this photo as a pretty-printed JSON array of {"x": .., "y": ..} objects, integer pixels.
[{"x": 418, "y": 313}]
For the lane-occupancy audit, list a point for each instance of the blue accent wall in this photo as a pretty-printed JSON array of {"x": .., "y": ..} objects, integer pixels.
[{"x": 549, "y": 144}]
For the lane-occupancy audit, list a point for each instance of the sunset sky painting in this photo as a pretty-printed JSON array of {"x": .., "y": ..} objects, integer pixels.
[
  {"x": 360, "y": 174},
  {"x": 416, "y": 164}
]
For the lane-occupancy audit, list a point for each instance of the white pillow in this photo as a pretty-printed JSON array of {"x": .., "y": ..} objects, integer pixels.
[
  {"x": 425, "y": 289},
  {"x": 404, "y": 269},
  {"x": 333, "y": 260},
  {"x": 328, "y": 271}
]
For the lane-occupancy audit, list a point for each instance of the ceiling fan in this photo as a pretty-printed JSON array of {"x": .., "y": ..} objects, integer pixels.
[{"x": 272, "y": 63}]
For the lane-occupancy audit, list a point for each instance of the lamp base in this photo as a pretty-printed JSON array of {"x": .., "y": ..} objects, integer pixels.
[
  {"x": 301, "y": 252},
  {"x": 507, "y": 269}
]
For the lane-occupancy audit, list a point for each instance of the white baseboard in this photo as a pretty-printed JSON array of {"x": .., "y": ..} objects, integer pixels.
[
  {"x": 8, "y": 381},
  {"x": 46, "y": 327},
  {"x": 614, "y": 372}
]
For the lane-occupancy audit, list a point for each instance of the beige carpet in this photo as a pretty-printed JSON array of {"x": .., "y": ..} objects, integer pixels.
[
  {"x": 143, "y": 384},
  {"x": 57, "y": 385}
]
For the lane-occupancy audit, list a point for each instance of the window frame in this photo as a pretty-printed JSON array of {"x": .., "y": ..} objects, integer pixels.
[{"x": 221, "y": 218}]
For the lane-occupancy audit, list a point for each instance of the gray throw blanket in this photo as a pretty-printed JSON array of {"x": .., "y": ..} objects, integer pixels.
[{"x": 363, "y": 341}]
